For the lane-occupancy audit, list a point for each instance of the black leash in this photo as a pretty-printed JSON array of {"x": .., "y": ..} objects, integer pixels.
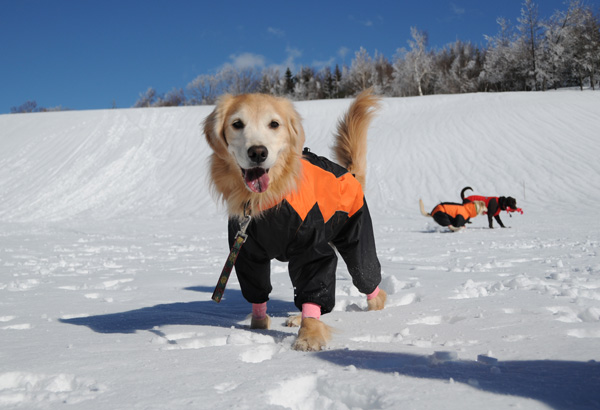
[{"x": 239, "y": 240}]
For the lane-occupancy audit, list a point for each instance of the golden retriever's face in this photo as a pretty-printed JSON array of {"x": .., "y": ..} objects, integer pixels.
[
  {"x": 480, "y": 207},
  {"x": 256, "y": 134}
]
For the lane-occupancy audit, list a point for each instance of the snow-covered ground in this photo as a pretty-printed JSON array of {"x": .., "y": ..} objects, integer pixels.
[{"x": 110, "y": 247}]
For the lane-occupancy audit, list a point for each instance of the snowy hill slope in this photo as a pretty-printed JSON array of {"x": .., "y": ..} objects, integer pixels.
[
  {"x": 151, "y": 162},
  {"x": 111, "y": 245}
]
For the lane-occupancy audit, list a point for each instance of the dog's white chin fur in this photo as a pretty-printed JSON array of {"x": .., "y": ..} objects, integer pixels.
[{"x": 312, "y": 336}]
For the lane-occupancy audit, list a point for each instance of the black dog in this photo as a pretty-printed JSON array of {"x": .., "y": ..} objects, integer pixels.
[{"x": 494, "y": 205}]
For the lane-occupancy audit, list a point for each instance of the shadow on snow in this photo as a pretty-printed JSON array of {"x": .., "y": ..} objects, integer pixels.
[
  {"x": 563, "y": 385},
  {"x": 229, "y": 313}
]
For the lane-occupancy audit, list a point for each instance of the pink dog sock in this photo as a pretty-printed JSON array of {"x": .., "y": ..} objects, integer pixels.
[
  {"x": 259, "y": 310},
  {"x": 374, "y": 294},
  {"x": 311, "y": 310}
]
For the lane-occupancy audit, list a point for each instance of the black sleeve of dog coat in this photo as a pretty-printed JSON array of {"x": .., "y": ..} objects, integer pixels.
[
  {"x": 460, "y": 221},
  {"x": 356, "y": 244},
  {"x": 252, "y": 267},
  {"x": 313, "y": 276},
  {"x": 442, "y": 218}
]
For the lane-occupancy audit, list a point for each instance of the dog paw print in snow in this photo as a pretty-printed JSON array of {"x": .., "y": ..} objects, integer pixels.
[{"x": 259, "y": 353}]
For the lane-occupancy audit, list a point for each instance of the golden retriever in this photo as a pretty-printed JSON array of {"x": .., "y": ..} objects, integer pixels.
[
  {"x": 454, "y": 216},
  {"x": 304, "y": 207}
]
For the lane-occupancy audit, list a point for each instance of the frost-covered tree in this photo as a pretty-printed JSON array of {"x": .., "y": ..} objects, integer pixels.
[
  {"x": 240, "y": 80},
  {"x": 32, "y": 106},
  {"x": 558, "y": 48},
  {"x": 337, "y": 82},
  {"x": 146, "y": 99},
  {"x": 572, "y": 45},
  {"x": 204, "y": 90},
  {"x": 457, "y": 68},
  {"x": 174, "y": 98},
  {"x": 402, "y": 86},
  {"x": 307, "y": 86},
  {"x": 359, "y": 75},
  {"x": 500, "y": 68},
  {"x": 382, "y": 74},
  {"x": 586, "y": 46},
  {"x": 26, "y": 107},
  {"x": 271, "y": 82},
  {"x": 328, "y": 88},
  {"x": 529, "y": 44},
  {"x": 290, "y": 82},
  {"x": 418, "y": 60}
]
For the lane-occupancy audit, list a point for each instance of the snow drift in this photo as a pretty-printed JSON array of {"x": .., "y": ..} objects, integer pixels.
[{"x": 111, "y": 244}]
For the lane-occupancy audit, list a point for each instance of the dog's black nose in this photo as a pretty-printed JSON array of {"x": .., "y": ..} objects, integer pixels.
[{"x": 258, "y": 153}]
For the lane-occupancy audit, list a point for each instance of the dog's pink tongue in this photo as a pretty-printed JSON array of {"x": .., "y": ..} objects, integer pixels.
[{"x": 256, "y": 179}]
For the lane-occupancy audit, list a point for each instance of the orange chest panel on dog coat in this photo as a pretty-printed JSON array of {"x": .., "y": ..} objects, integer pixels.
[{"x": 329, "y": 192}]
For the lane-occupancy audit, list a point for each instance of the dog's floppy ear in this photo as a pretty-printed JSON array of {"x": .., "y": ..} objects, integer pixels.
[
  {"x": 214, "y": 126},
  {"x": 296, "y": 129}
]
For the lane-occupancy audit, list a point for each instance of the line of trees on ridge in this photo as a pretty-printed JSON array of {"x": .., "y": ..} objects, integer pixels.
[{"x": 535, "y": 55}]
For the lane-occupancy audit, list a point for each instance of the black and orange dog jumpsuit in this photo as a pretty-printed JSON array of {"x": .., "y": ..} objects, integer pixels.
[
  {"x": 450, "y": 213},
  {"x": 327, "y": 212}
]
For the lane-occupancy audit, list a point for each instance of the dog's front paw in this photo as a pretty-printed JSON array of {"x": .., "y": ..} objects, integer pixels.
[
  {"x": 294, "y": 321},
  {"x": 264, "y": 323},
  {"x": 312, "y": 336},
  {"x": 378, "y": 302}
]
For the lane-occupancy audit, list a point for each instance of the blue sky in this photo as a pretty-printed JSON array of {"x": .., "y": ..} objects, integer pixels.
[{"x": 84, "y": 54}]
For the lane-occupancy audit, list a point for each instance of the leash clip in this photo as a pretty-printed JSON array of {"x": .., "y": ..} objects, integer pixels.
[{"x": 243, "y": 226}]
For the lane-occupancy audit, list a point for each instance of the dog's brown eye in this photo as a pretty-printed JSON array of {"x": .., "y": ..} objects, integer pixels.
[
  {"x": 238, "y": 124},
  {"x": 274, "y": 124}
]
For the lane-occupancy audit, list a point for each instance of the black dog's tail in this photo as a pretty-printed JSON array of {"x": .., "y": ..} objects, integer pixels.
[{"x": 462, "y": 193}]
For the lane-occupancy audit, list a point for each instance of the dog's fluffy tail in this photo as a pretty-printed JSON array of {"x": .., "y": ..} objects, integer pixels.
[
  {"x": 350, "y": 148},
  {"x": 422, "y": 206},
  {"x": 462, "y": 193}
]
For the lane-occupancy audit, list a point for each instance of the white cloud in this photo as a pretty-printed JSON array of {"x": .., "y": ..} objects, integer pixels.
[
  {"x": 292, "y": 55},
  {"x": 322, "y": 64},
  {"x": 366, "y": 23},
  {"x": 276, "y": 32},
  {"x": 247, "y": 60},
  {"x": 343, "y": 52},
  {"x": 457, "y": 10}
]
